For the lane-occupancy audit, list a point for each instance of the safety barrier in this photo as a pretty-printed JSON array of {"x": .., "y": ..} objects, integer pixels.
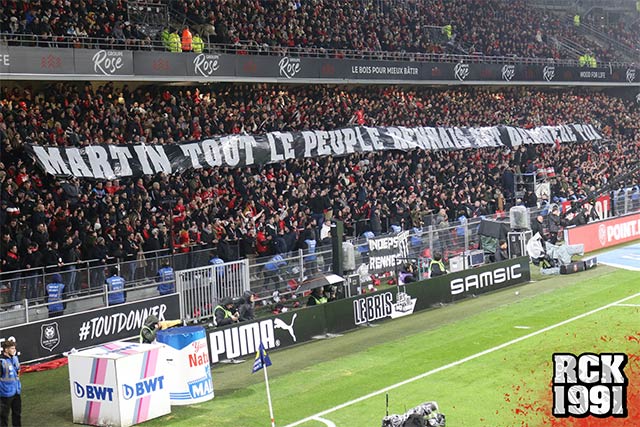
[{"x": 203, "y": 288}]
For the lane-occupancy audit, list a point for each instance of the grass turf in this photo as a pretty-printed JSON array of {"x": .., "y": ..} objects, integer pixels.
[{"x": 508, "y": 387}]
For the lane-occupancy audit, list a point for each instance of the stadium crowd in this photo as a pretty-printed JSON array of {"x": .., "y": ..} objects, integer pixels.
[
  {"x": 625, "y": 33},
  {"x": 275, "y": 208},
  {"x": 495, "y": 27},
  {"x": 79, "y": 26}
]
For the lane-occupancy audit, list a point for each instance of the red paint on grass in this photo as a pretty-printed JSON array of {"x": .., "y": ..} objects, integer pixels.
[{"x": 531, "y": 405}]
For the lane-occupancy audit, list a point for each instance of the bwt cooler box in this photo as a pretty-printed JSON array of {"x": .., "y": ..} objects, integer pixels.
[
  {"x": 119, "y": 384},
  {"x": 189, "y": 374}
]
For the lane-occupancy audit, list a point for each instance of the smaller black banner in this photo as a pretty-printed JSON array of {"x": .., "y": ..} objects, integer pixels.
[{"x": 388, "y": 251}]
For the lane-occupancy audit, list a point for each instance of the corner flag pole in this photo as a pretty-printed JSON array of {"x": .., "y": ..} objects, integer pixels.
[{"x": 266, "y": 380}]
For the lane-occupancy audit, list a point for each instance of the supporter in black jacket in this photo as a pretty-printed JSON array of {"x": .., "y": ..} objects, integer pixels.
[
  {"x": 98, "y": 255},
  {"x": 12, "y": 263},
  {"x": 537, "y": 226},
  {"x": 32, "y": 260},
  {"x": 52, "y": 259},
  {"x": 246, "y": 310}
]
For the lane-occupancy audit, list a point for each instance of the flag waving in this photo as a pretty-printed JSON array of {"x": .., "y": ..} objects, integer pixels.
[{"x": 262, "y": 359}]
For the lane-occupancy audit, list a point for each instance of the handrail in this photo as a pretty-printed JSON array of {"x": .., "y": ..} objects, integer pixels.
[
  {"x": 244, "y": 47},
  {"x": 619, "y": 45}
]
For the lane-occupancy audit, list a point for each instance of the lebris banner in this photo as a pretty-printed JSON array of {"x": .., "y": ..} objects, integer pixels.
[
  {"x": 116, "y": 161},
  {"x": 51, "y": 337}
]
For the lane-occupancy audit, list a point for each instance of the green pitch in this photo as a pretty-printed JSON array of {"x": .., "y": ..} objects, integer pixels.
[{"x": 486, "y": 361}]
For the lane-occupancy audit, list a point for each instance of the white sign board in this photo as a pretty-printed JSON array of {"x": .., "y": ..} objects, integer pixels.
[{"x": 119, "y": 384}]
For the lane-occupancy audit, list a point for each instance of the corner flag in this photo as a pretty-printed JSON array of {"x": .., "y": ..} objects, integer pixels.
[{"x": 262, "y": 359}]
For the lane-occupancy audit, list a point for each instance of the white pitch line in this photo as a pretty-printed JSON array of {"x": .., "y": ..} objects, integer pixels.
[
  {"x": 328, "y": 423},
  {"x": 522, "y": 327},
  {"x": 459, "y": 362},
  {"x": 627, "y": 305},
  {"x": 622, "y": 266}
]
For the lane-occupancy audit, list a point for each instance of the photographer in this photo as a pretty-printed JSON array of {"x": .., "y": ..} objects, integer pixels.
[
  {"x": 575, "y": 215},
  {"x": 554, "y": 224},
  {"x": 246, "y": 306},
  {"x": 590, "y": 213}
]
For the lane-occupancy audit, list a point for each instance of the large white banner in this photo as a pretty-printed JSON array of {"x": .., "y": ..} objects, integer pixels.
[{"x": 117, "y": 161}]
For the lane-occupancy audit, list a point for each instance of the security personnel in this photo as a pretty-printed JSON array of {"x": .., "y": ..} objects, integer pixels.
[
  {"x": 436, "y": 266},
  {"x": 582, "y": 60},
  {"x": 225, "y": 313},
  {"x": 174, "y": 42},
  {"x": 55, "y": 291},
  {"x": 10, "y": 387},
  {"x": 447, "y": 30},
  {"x": 165, "y": 35},
  {"x": 198, "y": 44},
  {"x": 219, "y": 263},
  {"x": 187, "y": 40},
  {"x": 115, "y": 285},
  {"x": 576, "y": 20},
  {"x": 166, "y": 279},
  {"x": 317, "y": 297}
]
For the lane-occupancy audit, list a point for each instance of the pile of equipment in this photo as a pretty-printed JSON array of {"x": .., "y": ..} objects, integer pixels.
[{"x": 423, "y": 415}]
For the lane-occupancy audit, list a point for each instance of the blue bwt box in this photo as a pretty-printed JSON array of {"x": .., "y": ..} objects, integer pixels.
[{"x": 189, "y": 372}]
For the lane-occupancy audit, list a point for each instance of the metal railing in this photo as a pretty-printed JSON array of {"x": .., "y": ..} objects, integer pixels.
[
  {"x": 268, "y": 277},
  {"x": 203, "y": 288},
  {"x": 244, "y": 47},
  {"x": 626, "y": 201},
  {"x": 570, "y": 5},
  {"x": 274, "y": 275},
  {"x": 31, "y": 310},
  {"x": 88, "y": 275},
  {"x": 632, "y": 52}
]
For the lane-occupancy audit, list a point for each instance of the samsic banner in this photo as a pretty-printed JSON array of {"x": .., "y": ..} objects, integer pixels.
[
  {"x": 52, "y": 337},
  {"x": 117, "y": 161}
]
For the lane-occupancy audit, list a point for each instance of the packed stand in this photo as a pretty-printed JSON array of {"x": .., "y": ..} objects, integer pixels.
[
  {"x": 88, "y": 24},
  {"x": 480, "y": 27},
  {"x": 496, "y": 28},
  {"x": 273, "y": 209},
  {"x": 625, "y": 33}
]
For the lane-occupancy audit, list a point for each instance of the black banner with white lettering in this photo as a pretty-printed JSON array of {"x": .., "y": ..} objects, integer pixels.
[
  {"x": 18, "y": 62},
  {"x": 52, "y": 337},
  {"x": 117, "y": 161},
  {"x": 388, "y": 251}
]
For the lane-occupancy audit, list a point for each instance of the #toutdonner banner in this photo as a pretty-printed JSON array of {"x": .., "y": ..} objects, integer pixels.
[{"x": 118, "y": 161}]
